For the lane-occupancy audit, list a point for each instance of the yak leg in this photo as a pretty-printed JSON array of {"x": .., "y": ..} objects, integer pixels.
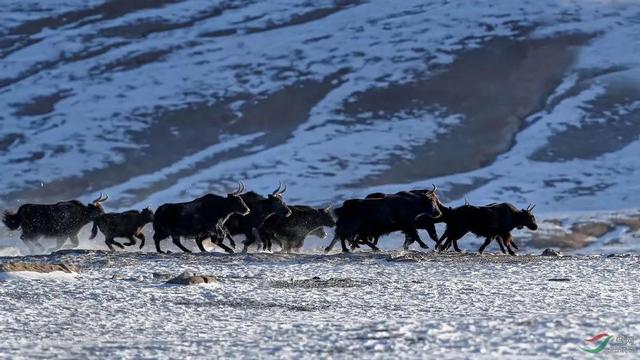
[
  {"x": 75, "y": 242},
  {"x": 110, "y": 242},
  {"x": 199, "y": 240},
  {"x": 487, "y": 241},
  {"x": 142, "y": 239},
  {"x": 455, "y": 246},
  {"x": 371, "y": 245},
  {"x": 176, "y": 242},
  {"x": 109, "y": 245},
  {"x": 131, "y": 242},
  {"x": 224, "y": 247},
  {"x": 439, "y": 241},
  {"x": 332, "y": 243},
  {"x": 452, "y": 238},
  {"x": 157, "y": 237},
  {"x": 500, "y": 242},
  {"x": 431, "y": 230},
  {"x": 344, "y": 245},
  {"x": 227, "y": 234},
  {"x": 413, "y": 234},
  {"x": 507, "y": 238},
  {"x": 249, "y": 241},
  {"x": 32, "y": 242}
]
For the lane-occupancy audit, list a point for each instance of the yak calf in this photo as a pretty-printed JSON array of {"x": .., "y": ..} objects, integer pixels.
[{"x": 126, "y": 224}]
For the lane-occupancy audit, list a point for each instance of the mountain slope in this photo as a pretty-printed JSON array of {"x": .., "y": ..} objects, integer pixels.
[{"x": 533, "y": 101}]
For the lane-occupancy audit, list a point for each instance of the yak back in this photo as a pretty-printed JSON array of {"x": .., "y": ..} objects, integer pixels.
[
  {"x": 196, "y": 217},
  {"x": 489, "y": 220},
  {"x": 62, "y": 218}
]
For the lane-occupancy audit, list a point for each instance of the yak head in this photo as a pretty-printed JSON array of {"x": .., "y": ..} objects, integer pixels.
[
  {"x": 525, "y": 218},
  {"x": 146, "y": 215},
  {"x": 94, "y": 208},
  {"x": 432, "y": 206},
  {"x": 274, "y": 204},
  {"x": 325, "y": 218},
  {"x": 238, "y": 205}
]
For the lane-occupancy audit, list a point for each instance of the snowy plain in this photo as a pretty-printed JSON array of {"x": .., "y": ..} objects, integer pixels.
[{"x": 388, "y": 305}]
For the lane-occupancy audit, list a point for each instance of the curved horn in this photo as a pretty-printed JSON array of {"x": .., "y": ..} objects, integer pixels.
[
  {"x": 277, "y": 191},
  {"x": 531, "y": 207},
  {"x": 466, "y": 201},
  {"x": 239, "y": 190},
  {"x": 434, "y": 188},
  {"x": 100, "y": 199},
  {"x": 284, "y": 188}
]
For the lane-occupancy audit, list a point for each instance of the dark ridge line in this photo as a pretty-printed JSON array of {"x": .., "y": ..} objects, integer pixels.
[
  {"x": 116, "y": 31},
  {"x": 48, "y": 65},
  {"x": 295, "y": 20},
  {"x": 105, "y": 11}
]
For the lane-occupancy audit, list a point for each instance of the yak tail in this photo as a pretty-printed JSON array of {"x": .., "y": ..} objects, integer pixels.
[
  {"x": 94, "y": 230},
  {"x": 11, "y": 220}
]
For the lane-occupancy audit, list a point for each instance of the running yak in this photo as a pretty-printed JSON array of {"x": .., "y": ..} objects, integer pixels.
[
  {"x": 126, "y": 224},
  {"x": 290, "y": 232},
  {"x": 199, "y": 219},
  {"x": 360, "y": 220},
  {"x": 493, "y": 221},
  {"x": 60, "y": 221},
  {"x": 261, "y": 208}
]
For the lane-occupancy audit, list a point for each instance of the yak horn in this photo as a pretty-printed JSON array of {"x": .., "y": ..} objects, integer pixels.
[
  {"x": 434, "y": 188},
  {"x": 239, "y": 190},
  {"x": 100, "y": 199},
  {"x": 466, "y": 201},
  {"x": 277, "y": 191}
]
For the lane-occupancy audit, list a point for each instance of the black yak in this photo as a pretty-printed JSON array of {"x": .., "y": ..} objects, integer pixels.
[
  {"x": 290, "y": 232},
  {"x": 261, "y": 208},
  {"x": 61, "y": 221},
  {"x": 126, "y": 224},
  {"x": 415, "y": 199},
  {"x": 359, "y": 220},
  {"x": 493, "y": 221},
  {"x": 199, "y": 219}
]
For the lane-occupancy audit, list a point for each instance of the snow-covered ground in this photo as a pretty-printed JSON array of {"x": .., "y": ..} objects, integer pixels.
[{"x": 386, "y": 305}]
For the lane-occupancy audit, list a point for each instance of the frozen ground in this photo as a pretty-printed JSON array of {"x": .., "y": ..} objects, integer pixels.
[{"x": 386, "y": 305}]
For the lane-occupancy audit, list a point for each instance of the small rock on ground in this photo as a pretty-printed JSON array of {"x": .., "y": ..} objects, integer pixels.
[
  {"x": 551, "y": 252},
  {"x": 187, "y": 278}
]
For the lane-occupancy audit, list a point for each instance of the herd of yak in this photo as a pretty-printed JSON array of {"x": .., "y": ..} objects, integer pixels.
[{"x": 264, "y": 220}]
